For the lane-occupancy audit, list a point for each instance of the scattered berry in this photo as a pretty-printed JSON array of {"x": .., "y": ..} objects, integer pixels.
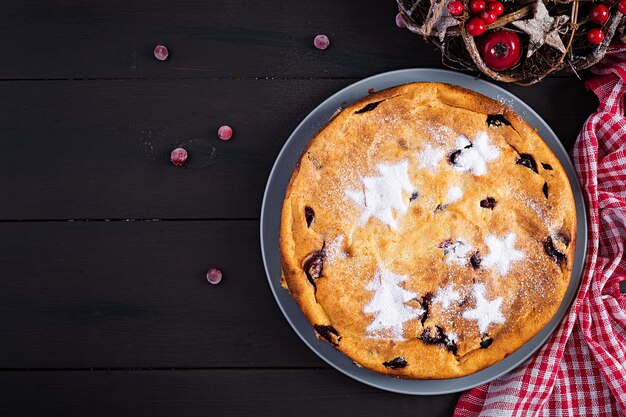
[
  {"x": 475, "y": 26},
  {"x": 225, "y": 132},
  {"x": 496, "y": 7},
  {"x": 321, "y": 42},
  {"x": 161, "y": 53},
  {"x": 488, "y": 17},
  {"x": 621, "y": 6},
  {"x": 595, "y": 36},
  {"x": 599, "y": 14},
  {"x": 178, "y": 156},
  {"x": 400, "y": 21},
  {"x": 214, "y": 276},
  {"x": 456, "y": 7},
  {"x": 501, "y": 50},
  {"x": 477, "y": 6}
]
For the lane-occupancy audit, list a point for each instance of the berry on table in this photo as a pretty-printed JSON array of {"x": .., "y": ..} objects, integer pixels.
[
  {"x": 178, "y": 156},
  {"x": 599, "y": 14},
  {"x": 456, "y": 7},
  {"x": 475, "y": 26},
  {"x": 321, "y": 42},
  {"x": 501, "y": 49},
  {"x": 477, "y": 6},
  {"x": 595, "y": 36},
  {"x": 214, "y": 276},
  {"x": 400, "y": 21},
  {"x": 225, "y": 132},
  {"x": 488, "y": 17},
  {"x": 621, "y": 6},
  {"x": 161, "y": 53},
  {"x": 496, "y": 7}
]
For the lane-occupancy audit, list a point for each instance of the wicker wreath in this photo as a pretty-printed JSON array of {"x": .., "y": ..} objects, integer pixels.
[{"x": 431, "y": 19}]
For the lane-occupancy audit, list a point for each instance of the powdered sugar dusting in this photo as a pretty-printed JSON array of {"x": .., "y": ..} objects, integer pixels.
[
  {"x": 383, "y": 194},
  {"x": 388, "y": 305},
  {"x": 430, "y": 157},
  {"x": 334, "y": 250},
  {"x": 447, "y": 296},
  {"x": 502, "y": 253},
  {"x": 454, "y": 194},
  {"x": 486, "y": 312},
  {"x": 473, "y": 157},
  {"x": 457, "y": 252}
]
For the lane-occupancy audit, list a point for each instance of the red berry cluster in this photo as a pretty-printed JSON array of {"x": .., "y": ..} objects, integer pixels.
[
  {"x": 484, "y": 13},
  {"x": 599, "y": 14}
]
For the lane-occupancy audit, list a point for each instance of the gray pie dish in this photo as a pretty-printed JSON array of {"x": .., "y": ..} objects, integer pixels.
[{"x": 275, "y": 193}]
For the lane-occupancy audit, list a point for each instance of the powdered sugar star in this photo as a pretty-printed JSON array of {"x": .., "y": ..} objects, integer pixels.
[
  {"x": 454, "y": 194},
  {"x": 474, "y": 156},
  {"x": 502, "y": 253},
  {"x": 486, "y": 312},
  {"x": 430, "y": 157},
  {"x": 447, "y": 297},
  {"x": 387, "y": 304},
  {"x": 384, "y": 193},
  {"x": 457, "y": 252}
]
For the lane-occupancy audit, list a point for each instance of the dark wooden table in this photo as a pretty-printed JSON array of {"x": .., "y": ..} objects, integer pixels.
[{"x": 104, "y": 306}]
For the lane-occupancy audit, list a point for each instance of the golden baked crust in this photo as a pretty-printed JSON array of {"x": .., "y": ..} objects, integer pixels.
[{"x": 427, "y": 232}]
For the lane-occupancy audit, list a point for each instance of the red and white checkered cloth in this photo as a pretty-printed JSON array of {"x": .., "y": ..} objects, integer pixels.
[{"x": 581, "y": 370}]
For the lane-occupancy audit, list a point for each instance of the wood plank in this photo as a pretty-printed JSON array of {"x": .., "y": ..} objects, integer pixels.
[
  {"x": 100, "y": 149},
  {"x": 208, "y": 392},
  {"x": 134, "y": 294},
  {"x": 115, "y": 39}
]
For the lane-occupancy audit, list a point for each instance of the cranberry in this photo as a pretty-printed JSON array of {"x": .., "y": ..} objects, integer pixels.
[
  {"x": 178, "y": 156},
  {"x": 396, "y": 363},
  {"x": 497, "y": 120},
  {"x": 475, "y": 260},
  {"x": 488, "y": 17},
  {"x": 599, "y": 14},
  {"x": 400, "y": 21},
  {"x": 214, "y": 276},
  {"x": 321, "y": 42},
  {"x": 475, "y": 26},
  {"x": 225, "y": 132},
  {"x": 488, "y": 202},
  {"x": 553, "y": 252},
  {"x": 455, "y": 8},
  {"x": 161, "y": 53},
  {"x": 501, "y": 49},
  {"x": 485, "y": 341},
  {"x": 496, "y": 7},
  {"x": 595, "y": 36},
  {"x": 433, "y": 337},
  {"x": 427, "y": 300},
  {"x": 314, "y": 265},
  {"x": 329, "y": 333},
  {"x": 621, "y": 6},
  {"x": 527, "y": 160},
  {"x": 477, "y": 6},
  {"x": 309, "y": 215}
]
